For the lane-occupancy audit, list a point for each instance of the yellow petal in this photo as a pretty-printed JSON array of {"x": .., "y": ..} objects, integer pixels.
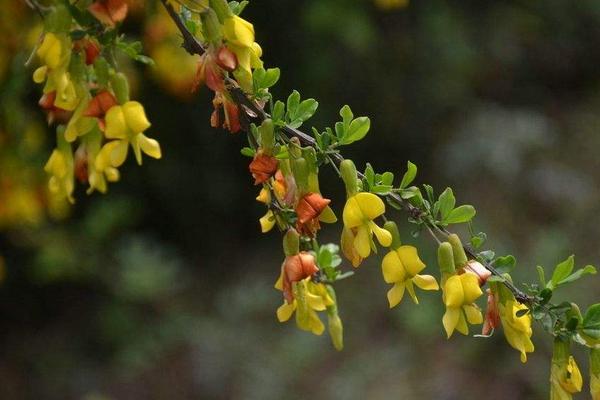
[
  {"x": 285, "y": 311},
  {"x": 411, "y": 291},
  {"x": 450, "y": 320},
  {"x": 425, "y": 282},
  {"x": 462, "y": 326},
  {"x": 395, "y": 294},
  {"x": 453, "y": 292},
  {"x": 383, "y": 236},
  {"x": 149, "y": 146},
  {"x": 39, "y": 75},
  {"x": 238, "y": 31},
  {"x": 118, "y": 153},
  {"x": 135, "y": 117},
  {"x": 473, "y": 314},
  {"x": 370, "y": 205},
  {"x": 352, "y": 214},
  {"x": 264, "y": 196},
  {"x": 328, "y": 216},
  {"x": 362, "y": 241},
  {"x": 316, "y": 325},
  {"x": 470, "y": 284},
  {"x": 112, "y": 174},
  {"x": 315, "y": 302},
  {"x": 392, "y": 268},
  {"x": 410, "y": 259},
  {"x": 279, "y": 283},
  {"x": 116, "y": 128},
  {"x": 267, "y": 222}
]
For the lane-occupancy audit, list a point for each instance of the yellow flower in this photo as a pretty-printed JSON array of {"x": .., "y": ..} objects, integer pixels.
[
  {"x": 126, "y": 124},
  {"x": 517, "y": 330},
  {"x": 565, "y": 377},
  {"x": 460, "y": 291},
  {"x": 55, "y": 53},
  {"x": 267, "y": 222},
  {"x": 79, "y": 124},
  {"x": 97, "y": 179},
  {"x": 60, "y": 166},
  {"x": 401, "y": 267},
  {"x": 239, "y": 34},
  {"x": 309, "y": 297},
  {"x": 595, "y": 373},
  {"x": 359, "y": 212}
]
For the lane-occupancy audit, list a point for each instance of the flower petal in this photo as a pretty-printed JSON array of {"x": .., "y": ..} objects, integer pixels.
[
  {"x": 135, "y": 116},
  {"x": 285, "y": 311},
  {"x": 362, "y": 241},
  {"x": 426, "y": 282},
  {"x": 453, "y": 292},
  {"x": 392, "y": 268},
  {"x": 410, "y": 260},
  {"x": 384, "y": 237},
  {"x": 395, "y": 294},
  {"x": 150, "y": 146},
  {"x": 371, "y": 205},
  {"x": 352, "y": 215},
  {"x": 450, "y": 320},
  {"x": 116, "y": 127},
  {"x": 470, "y": 284},
  {"x": 473, "y": 314}
]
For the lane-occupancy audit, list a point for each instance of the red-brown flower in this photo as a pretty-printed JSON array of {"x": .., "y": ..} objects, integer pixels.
[
  {"x": 99, "y": 106},
  {"x": 109, "y": 12},
  {"x": 308, "y": 210},
  {"x": 263, "y": 167},
  {"x": 294, "y": 269},
  {"x": 54, "y": 114},
  {"x": 492, "y": 315}
]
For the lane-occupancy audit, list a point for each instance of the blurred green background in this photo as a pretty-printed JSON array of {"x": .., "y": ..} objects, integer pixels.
[{"x": 163, "y": 288}]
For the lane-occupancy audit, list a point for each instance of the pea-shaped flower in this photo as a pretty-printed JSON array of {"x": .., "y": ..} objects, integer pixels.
[
  {"x": 401, "y": 266},
  {"x": 517, "y": 330},
  {"x": 239, "y": 34},
  {"x": 55, "y": 54},
  {"x": 309, "y": 297},
  {"x": 359, "y": 212},
  {"x": 565, "y": 377},
  {"x": 61, "y": 168},
  {"x": 126, "y": 124},
  {"x": 460, "y": 291}
]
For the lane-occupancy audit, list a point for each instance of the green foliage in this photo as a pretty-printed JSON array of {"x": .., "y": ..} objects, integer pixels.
[
  {"x": 297, "y": 112},
  {"x": 351, "y": 129}
]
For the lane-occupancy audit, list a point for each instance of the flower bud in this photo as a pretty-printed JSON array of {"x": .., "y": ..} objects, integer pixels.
[
  {"x": 291, "y": 242},
  {"x": 595, "y": 373},
  {"x": 221, "y": 8},
  {"x": 392, "y": 228},
  {"x": 446, "y": 259},
  {"x": 348, "y": 172},
  {"x": 266, "y": 134},
  {"x": 460, "y": 258},
  {"x": 211, "y": 27},
  {"x": 120, "y": 86},
  {"x": 300, "y": 171}
]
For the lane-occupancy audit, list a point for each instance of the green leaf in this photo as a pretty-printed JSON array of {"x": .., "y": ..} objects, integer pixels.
[
  {"x": 588, "y": 269},
  {"x": 591, "y": 322},
  {"x": 478, "y": 240},
  {"x": 387, "y": 178},
  {"x": 409, "y": 175},
  {"x": 278, "y": 113},
  {"x": 264, "y": 79},
  {"x": 460, "y": 214},
  {"x": 370, "y": 175},
  {"x": 505, "y": 264},
  {"x": 358, "y": 129},
  {"x": 562, "y": 271},
  {"x": 446, "y": 203},
  {"x": 293, "y": 101},
  {"x": 381, "y": 189},
  {"x": 247, "y": 151}
]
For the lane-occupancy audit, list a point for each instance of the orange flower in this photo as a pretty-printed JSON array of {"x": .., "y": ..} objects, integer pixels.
[
  {"x": 109, "y": 12},
  {"x": 99, "y": 106},
  {"x": 309, "y": 208},
  {"x": 294, "y": 269},
  {"x": 263, "y": 167}
]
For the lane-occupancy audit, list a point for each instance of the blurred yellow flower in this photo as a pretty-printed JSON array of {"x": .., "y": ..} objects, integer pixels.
[
  {"x": 309, "y": 297},
  {"x": 126, "y": 124}
]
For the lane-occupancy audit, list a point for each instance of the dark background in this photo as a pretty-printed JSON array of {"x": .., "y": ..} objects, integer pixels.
[{"x": 163, "y": 288}]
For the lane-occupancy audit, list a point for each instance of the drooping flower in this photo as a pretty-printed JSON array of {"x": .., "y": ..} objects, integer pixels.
[
  {"x": 565, "y": 377},
  {"x": 55, "y": 53},
  {"x": 460, "y": 293},
  {"x": 311, "y": 209},
  {"x": 309, "y": 297},
  {"x": 401, "y": 266},
  {"x": 359, "y": 212},
  {"x": 492, "y": 314},
  {"x": 239, "y": 35},
  {"x": 517, "y": 329},
  {"x": 263, "y": 167},
  {"x": 126, "y": 125},
  {"x": 294, "y": 269},
  {"x": 61, "y": 168}
]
